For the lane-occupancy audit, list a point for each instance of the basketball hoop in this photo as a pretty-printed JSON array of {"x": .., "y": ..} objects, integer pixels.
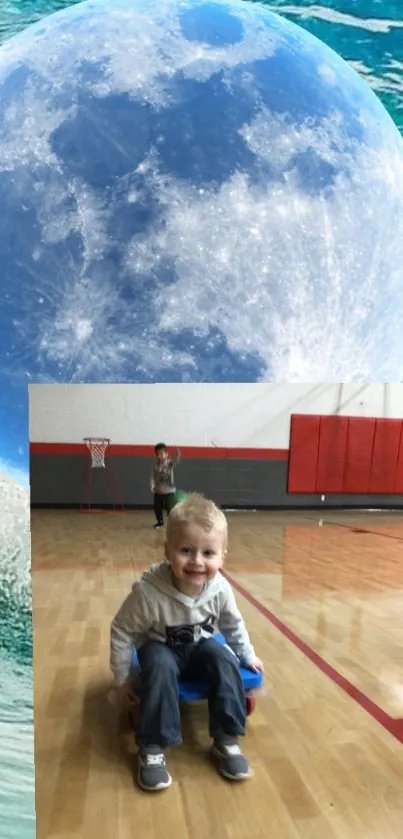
[
  {"x": 97, "y": 447},
  {"x": 106, "y": 478}
]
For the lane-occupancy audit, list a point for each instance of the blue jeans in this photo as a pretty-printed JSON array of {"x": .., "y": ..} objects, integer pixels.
[{"x": 161, "y": 667}]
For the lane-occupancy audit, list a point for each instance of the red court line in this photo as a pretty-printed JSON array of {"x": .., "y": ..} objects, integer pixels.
[
  {"x": 363, "y": 530},
  {"x": 393, "y": 726},
  {"x": 195, "y": 452}
]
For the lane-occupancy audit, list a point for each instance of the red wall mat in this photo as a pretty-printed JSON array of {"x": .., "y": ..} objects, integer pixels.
[
  {"x": 303, "y": 456},
  {"x": 399, "y": 466},
  {"x": 196, "y": 452},
  {"x": 384, "y": 455},
  {"x": 360, "y": 441},
  {"x": 332, "y": 454}
]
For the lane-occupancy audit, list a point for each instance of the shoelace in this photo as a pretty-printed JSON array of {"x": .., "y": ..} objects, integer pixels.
[{"x": 154, "y": 760}]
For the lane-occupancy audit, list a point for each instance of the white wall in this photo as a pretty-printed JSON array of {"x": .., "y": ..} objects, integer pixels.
[{"x": 233, "y": 415}]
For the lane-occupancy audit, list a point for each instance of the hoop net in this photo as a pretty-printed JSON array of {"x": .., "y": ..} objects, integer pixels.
[{"x": 97, "y": 447}]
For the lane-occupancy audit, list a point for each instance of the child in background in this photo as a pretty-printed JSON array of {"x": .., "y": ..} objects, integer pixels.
[
  {"x": 163, "y": 481},
  {"x": 170, "y": 616}
]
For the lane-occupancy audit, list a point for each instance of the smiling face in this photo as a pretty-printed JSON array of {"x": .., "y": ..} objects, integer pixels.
[{"x": 195, "y": 556}]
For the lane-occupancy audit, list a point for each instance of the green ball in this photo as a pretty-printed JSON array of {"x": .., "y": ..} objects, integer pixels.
[{"x": 176, "y": 497}]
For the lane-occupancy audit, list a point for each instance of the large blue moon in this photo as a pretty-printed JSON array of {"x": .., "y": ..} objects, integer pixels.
[{"x": 191, "y": 191}]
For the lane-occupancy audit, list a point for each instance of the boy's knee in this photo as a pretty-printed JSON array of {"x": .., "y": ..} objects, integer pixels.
[
  {"x": 158, "y": 659},
  {"x": 221, "y": 654}
]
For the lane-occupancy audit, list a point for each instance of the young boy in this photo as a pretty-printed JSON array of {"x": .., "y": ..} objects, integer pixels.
[
  {"x": 170, "y": 617},
  {"x": 163, "y": 481}
]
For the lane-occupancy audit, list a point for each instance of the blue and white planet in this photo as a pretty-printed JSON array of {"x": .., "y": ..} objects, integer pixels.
[{"x": 190, "y": 191}]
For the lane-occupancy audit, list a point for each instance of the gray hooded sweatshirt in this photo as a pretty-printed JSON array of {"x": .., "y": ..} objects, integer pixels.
[{"x": 155, "y": 610}]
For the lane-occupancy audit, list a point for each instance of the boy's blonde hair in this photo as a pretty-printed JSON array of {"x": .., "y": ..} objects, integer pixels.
[{"x": 195, "y": 509}]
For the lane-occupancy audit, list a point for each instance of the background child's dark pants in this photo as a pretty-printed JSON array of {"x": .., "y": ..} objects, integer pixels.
[
  {"x": 161, "y": 666},
  {"x": 161, "y": 503}
]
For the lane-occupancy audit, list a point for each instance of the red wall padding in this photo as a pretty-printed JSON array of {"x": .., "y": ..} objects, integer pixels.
[
  {"x": 384, "y": 456},
  {"x": 303, "y": 453},
  {"x": 332, "y": 454},
  {"x": 354, "y": 455},
  {"x": 399, "y": 466},
  {"x": 360, "y": 442}
]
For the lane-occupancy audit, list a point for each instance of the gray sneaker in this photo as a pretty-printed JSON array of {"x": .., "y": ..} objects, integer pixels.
[
  {"x": 232, "y": 763},
  {"x": 152, "y": 769}
]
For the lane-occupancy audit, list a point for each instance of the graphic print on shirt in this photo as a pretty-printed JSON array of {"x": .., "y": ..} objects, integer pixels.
[
  {"x": 186, "y": 633},
  {"x": 163, "y": 473}
]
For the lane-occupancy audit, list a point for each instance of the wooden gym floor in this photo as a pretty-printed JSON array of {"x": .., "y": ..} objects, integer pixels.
[{"x": 324, "y": 605}]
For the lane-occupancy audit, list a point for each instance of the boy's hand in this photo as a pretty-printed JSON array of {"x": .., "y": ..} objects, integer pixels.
[
  {"x": 256, "y": 666},
  {"x": 125, "y": 694}
]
